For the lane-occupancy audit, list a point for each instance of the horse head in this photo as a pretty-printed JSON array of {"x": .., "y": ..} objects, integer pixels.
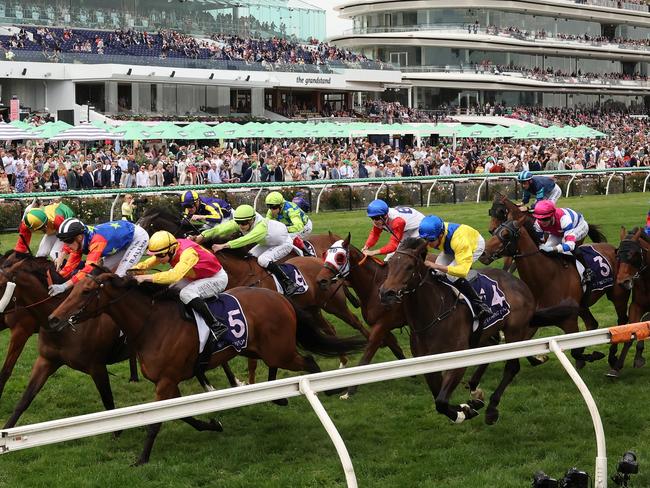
[
  {"x": 498, "y": 213},
  {"x": 89, "y": 297},
  {"x": 632, "y": 257},
  {"x": 504, "y": 241},
  {"x": 336, "y": 263},
  {"x": 28, "y": 274},
  {"x": 406, "y": 271}
]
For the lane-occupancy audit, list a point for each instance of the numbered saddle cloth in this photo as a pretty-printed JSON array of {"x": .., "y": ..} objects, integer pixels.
[
  {"x": 489, "y": 291},
  {"x": 602, "y": 273},
  {"x": 294, "y": 275},
  {"x": 227, "y": 309}
]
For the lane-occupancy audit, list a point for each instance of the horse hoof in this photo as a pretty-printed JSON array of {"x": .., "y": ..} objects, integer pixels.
[
  {"x": 540, "y": 359},
  {"x": 334, "y": 392},
  {"x": 596, "y": 356},
  {"x": 345, "y": 396},
  {"x": 467, "y": 411},
  {"x": 117, "y": 434},
  {"x": 282, "y": 402},
  {"x": 342, "y": 365},
  {"x": 491, "y": 416},
  {"x": 613, "y": 373},
  {"x": 139, "y": 462},
  {"x": 639, "y": 363},
  {"x": 476, "y": 403},
  {"x": 477, "y": 394},
  {"x": 134, "y": 380},
  {"x": 238, "y": 382},
  {"x": 580, "y": 363},
  {"x": 216, "y": 425}
]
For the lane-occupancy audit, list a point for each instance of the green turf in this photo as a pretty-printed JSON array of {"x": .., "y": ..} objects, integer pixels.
[{"x": 392, "y": 431}]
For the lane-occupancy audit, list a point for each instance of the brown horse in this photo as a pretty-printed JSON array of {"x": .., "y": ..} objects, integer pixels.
[
  {"x": 441, "y": 322},
  {"x": 554, "y": 279},
  {"x": 166, "y": 340},
  {"x": 634, "y": 275},
  {"x": 244, "y": 271}
]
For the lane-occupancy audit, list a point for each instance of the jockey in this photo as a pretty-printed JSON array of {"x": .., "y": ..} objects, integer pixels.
[
  {"x": 542, "y": 187},
  {"x": 211, "y": 211},
  {"x": 461, "y": 246},
  {"x": 400, "y": 222},
  {"x": 47, "y": 220},
  {"x": 647, "y": 225},
  {"x": 120, "y": 243},
  {"x": 298, "y": 224},
  {"x": 271, "y": 239},
  {"x": 565, "y": 227},
  {"x": 194, "y": 270},
  {"x": 302, "y": 202}
]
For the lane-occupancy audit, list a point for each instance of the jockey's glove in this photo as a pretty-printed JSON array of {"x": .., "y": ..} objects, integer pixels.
[
  {"x": 548, "y": 248},
  {"x": 54, "y": 290}
]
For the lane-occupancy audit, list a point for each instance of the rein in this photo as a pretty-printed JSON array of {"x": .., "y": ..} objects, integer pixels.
[
  {"x": 643, "y": 259},
  {"x": 74, "y": 318}
]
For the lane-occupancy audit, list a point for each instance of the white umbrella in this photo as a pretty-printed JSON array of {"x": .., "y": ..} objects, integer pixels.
[
  {"x": 85, "y": 132},
  {"x": 10, "y": 133}
]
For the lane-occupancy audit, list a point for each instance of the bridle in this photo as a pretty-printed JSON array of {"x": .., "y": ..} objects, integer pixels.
[
  {"x": 14, "y": 299},
  {"x": 417, "y": 276},
  {"x": 77, "y": 317},
  {"x": 625, "y": 254},
  {"x": 509, "y": 242}
]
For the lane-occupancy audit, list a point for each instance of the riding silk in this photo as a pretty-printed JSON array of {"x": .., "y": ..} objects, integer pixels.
[
  {"x": 229, "y": 311},
  {"x": 401, "y": 223},
  {"x": 213, "y": 210},
  {"x": 603, "y": 276},
  {"x": 294, "y": 275},
  {"x": 541, "y": 187},
  {"x": 566, "y": 228}
]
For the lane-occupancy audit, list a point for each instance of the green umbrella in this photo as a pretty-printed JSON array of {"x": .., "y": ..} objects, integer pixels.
[
  {"x": 529, "y": 131},
  {"x": 556, "y": 132},
  {"x": 49, "y": 130},
  {"x": 198, "y": 132},
  {"x": 20, "y": 124},
  {"x": 134, "y": 133},
  {"x": 174, "y": 132},
  {"x": 475, "y": 131},
  {"x": 499, "y": 131},
  {"x": 586, "y": 132}
]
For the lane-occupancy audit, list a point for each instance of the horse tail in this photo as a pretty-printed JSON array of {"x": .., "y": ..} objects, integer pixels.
[
  {"x": 350, "y": 296},
  {"x": 311, "y": 338},
  {"x": 554, "y": 315},
  {"x": 595, "y": 234}
]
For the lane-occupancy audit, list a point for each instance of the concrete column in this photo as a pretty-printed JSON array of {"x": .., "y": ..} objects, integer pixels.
[
  {"x": 410, "y": 97},
  {"x": 110, "y": 95},
  {"x": 223, "y": 100},
  {"x": 257, "y": 102},
  {"x": 159, "y": 98},
  {"x": 135, "y": 98}
]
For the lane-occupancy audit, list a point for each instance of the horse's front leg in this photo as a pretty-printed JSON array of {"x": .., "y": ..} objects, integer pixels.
[{"x": 455, "y": 413}]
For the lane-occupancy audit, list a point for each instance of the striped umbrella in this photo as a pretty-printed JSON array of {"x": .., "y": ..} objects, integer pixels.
[
  {"x": 10, "y": 133},
  {"x": 85, "y": 132}
]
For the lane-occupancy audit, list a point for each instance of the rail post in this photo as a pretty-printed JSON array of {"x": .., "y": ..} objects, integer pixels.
[{"x": 320, "y": 194}]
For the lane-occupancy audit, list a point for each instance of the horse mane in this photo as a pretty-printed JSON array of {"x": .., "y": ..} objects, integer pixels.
[
  {"x": 153, "y": 290},
  {"x": 411, "y": 243},
  {"x": 161, "y": 211},
  {"x": 40, "y": 266},
  {"x": 642, "y": 235}
]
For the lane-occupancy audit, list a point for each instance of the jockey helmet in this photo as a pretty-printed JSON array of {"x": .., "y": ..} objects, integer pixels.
[
  {"x": 525, "y": 176},
  {"x": 377, "y": 208},
  {"x": 189, "y": 198},
  {"x": 35, "y": 219},
  {"x": 544, "y": 210},
  {"x": 274, "y": 198},
  {"x": 244, "y": 213},
  {"x": 70, "y": 228},
  {"x": 431, "y": 227},
  {"x": 162, "y": 242}
]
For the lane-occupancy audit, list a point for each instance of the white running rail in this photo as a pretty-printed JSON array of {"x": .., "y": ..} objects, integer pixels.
[{"x": 139, "y": 415}]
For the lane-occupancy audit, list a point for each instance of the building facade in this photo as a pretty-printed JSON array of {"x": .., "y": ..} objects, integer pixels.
[{"x": 515, "y": 52}]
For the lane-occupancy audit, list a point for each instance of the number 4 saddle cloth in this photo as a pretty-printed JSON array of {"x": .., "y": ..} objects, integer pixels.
[
  {"x": 227, "y": 309},
  {"x": 491, "y": 294}
]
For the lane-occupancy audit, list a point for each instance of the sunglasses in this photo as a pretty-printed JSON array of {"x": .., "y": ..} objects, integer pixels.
[
  {"x": 274, "y": 207},
  {"x": 379, "y": 217},
  {"x": 161, "y": 255}
]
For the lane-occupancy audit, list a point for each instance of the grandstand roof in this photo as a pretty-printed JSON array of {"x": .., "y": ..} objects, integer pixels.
[{"x": 243, "y": 3}]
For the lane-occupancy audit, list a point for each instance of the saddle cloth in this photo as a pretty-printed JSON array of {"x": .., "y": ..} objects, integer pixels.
[
  {"x": 295, "y": 275},
  {"x": 492, "y": 295},
  {"x": 227, "y": 309},
  {"x": 602, "y": 273}
]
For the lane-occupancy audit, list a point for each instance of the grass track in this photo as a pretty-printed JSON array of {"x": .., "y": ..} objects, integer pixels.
[{"x": 391, "y": 429}]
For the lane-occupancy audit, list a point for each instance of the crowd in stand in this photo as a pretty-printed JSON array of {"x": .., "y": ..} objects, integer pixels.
[{"x": 27, "y": 168}]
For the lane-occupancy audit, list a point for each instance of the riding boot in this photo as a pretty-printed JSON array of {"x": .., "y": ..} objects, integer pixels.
[
  {"x": 287, "y": 284},
  {"x": 480, "y": 308},
  {"x": 217, "y": 327},
  {"x": 588, "y": 274}
]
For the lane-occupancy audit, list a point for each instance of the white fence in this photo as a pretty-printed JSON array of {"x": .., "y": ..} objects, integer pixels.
[{"x": 138, "y": 415}]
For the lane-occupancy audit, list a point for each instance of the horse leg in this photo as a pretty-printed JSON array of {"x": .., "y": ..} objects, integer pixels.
[
  {"x": 252, "y": 369},
  {"x": 273, "y": 374},
  {"x": 19, "y": 336},
  {"x": 510, "y": 370},
  {"x": 579, "y": 353},
  {"x": 476, "y": 394},
  {"x": 99, "y": 374},
  {"x": 42, "y": 370},
  {"x": 614, "y": 372},
  {"x": 456, "y": 413},
  {"x": 233, "y": 381},
  {"x": 377, "y": 333},
  {"x": 133, "y": 368},
  {"x": 639, "y": 360}
]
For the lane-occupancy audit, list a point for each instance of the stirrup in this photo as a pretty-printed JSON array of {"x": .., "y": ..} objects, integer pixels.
[
  {"x": 218, "y": 329},
  {"x": 290, "y": 288}
]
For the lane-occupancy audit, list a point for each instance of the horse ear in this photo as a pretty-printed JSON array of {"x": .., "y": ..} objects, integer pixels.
[
  {"x": 346, "y": 242},
  {"x": 623, "y": 232},
  {"x": 422, "y": 249},
  {"x": 329, "y": 233},
  {"x": 637, "y": 234}
]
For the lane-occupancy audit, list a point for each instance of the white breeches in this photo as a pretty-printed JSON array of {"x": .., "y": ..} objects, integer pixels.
[
  {"x": 129, "y": 257},
  {"x": 266, "y": 254},
  {"x": 49, "y": 246},
  {"x": 202, "y": 288}
]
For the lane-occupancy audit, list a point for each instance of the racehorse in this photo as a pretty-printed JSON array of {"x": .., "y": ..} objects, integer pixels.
[
  {"x": 633, "y": 275},
  {"x": 166, "y": 340},
  {"x": 517, "y": 238},
  {"x": 440, "y": 322},
  {"x": 245, "y": 271}
]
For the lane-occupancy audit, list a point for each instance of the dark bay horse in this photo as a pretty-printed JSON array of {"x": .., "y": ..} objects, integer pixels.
[
  {"x": 166, "y": 341},
  {"x": 554, "y": 279},
  {"x": 89, "y": 350},
  {"x": 441, "y": 322},
  {"x": 245, "y": 271},
  {"x": 633, "y": 274}
]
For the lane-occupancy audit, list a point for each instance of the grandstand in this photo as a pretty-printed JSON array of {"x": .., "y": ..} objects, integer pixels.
[{"x": 158, "y": 58}]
